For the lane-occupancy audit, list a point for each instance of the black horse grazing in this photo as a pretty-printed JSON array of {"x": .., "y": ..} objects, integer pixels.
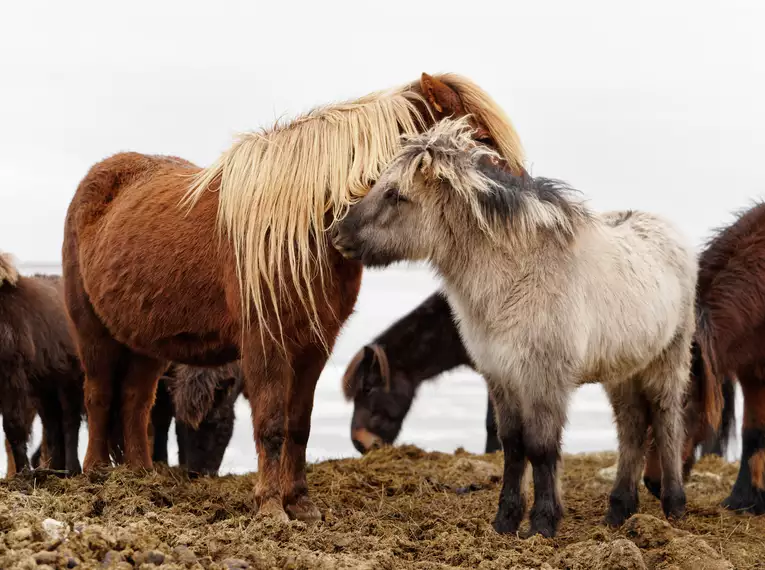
[
  {"x": 202, "y": 402},
  {"x": 383, "y": 377}
]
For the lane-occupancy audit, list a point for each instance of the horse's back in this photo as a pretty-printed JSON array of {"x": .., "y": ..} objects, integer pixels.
[
  {"x": 35, "y": 327},
  {"x": 641, "y": 276},
  {"x": 151, "y": 270}
]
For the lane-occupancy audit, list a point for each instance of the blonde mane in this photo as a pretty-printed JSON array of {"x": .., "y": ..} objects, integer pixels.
[
  {"x": 8, "y": 272},
  {"x": 275, "y": 187}
]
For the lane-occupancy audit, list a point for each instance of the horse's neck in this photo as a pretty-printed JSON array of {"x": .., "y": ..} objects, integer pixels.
[{"x": 484, "y": 280}]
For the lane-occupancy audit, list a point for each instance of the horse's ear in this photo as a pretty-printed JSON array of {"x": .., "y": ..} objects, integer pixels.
[
  {"x": 446, "y": 102},
  {"x": 351, "y": 376}
]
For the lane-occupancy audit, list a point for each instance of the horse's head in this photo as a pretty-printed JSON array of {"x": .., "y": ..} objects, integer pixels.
[
  {"x": 381, "y": 399},
  {"x": 433, "y": 195}
]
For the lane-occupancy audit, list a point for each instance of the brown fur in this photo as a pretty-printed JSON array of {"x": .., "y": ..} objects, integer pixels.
[
  {"x": 730, "y": 341},
  {"x": 39, "y": 370},
  {"x": 148, "y": 283}
]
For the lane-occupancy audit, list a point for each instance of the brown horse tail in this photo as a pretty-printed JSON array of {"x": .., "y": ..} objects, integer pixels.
[
  {"x": 711, "y": 384},
  {"x": 8, "y": 272},
  {"x": 351, "y": 377}
]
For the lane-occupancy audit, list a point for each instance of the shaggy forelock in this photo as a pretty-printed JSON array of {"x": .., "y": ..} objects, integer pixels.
[{"x": 474, "y": 172}]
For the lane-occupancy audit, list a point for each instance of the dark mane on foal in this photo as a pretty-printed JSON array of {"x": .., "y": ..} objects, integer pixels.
[{"x": 508, "y": 199}]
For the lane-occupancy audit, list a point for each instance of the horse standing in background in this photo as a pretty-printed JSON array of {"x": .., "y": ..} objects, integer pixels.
[
  {"x": 730, "y": 342},
  {"x": 548, "y": 294},
  {"x": 39, "y": 369},
  {"x": 383, "y": 377},
  {"x": 164, "y": 261}
]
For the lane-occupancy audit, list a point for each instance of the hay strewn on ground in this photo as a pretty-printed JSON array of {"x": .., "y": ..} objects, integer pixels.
[{"x": 395, "y": 508}]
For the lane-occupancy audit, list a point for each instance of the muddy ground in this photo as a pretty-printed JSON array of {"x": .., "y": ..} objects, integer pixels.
[{"x": 395, "y": 508}]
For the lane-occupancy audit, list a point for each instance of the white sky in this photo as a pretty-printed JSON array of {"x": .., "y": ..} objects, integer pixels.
[{"x": 651, "y": 105}]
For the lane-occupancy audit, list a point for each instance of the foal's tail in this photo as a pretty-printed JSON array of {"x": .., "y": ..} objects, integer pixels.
[
  {"x": 710, "y": 379},
  {"x": 8, "y": 272}
]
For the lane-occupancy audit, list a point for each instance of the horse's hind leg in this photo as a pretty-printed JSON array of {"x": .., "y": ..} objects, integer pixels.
[
  {"x": 664, "y": 384},
  {"x": 632, "y": 414},
  {"x": 748, "y": 493},
  {"x": 161, "y": 417},
  {"x": 139, "y": 385}
]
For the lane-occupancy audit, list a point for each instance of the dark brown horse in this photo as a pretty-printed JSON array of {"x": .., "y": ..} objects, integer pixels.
[
  {"x": 730, "y": 342},
  {"x": 202, "y": 402},
  {"x": 166, "y": 262},
  {"x": 39, "y": 369},
  {"x": 383, "y": 377}
]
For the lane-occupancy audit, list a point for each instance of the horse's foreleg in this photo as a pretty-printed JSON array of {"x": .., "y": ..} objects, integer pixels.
[
  {"x": 748, "y": 493},
  {"x": 512, "y": 497},
  {"x": 632, "y": 414},
  {"x": 139, "y": 385},
  {"x": 267, "y": 377},
  {"x": 492, "y": 439},
  {"x": 544, "y": 415},
  {"x": 308, "y": 366}
]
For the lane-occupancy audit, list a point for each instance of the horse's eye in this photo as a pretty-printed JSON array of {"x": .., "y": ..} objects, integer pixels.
[{"x": 394, "y": 195}]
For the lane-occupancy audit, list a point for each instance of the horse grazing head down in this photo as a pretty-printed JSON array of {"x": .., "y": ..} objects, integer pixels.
[
  {"x": 381, "y": 398},
  {"x": 443, "y": 188}
]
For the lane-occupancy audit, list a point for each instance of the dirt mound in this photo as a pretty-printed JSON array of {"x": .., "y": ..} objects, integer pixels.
[{"x": 394, "y": 508}]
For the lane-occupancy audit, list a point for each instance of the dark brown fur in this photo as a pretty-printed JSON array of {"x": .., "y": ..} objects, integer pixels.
[
  {"x": 148, "y": 283},
  {"x": 202, "y": 402},
  {"x": 39, "y": 371},
  {"x": 730, "y": 342},
  {"x": 383, "y": 377}
]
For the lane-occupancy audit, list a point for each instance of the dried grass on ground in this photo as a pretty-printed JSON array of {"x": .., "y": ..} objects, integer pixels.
[{"x": 394, "y": 508}]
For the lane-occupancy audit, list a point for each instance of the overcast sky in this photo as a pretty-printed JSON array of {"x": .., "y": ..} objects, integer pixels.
[{"x": 652, "y": 105}]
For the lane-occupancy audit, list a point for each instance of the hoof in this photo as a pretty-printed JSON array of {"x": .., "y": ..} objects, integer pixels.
[
  {"x": 674, "y": 505},
  {"x": 751, "y": 502},
  {"x": 544, "y": 530},
  {"x": 273, "y": 509},
  {"x": 505, "y": 526},
  {"x": 614, "y": 519},
  {"x": 654, "y": 487},
  {"x": 304, "y": 510}
]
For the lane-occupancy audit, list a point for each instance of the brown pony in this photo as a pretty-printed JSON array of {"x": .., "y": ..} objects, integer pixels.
[
  {"x": 730, "y": 342},
  {"x": 164, "y": 261},
  {"x": 39, "y": 368}
]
